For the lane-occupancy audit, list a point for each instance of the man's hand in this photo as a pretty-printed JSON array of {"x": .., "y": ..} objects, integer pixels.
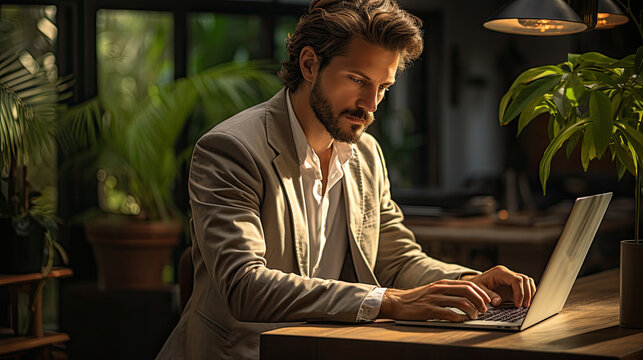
[
  {"x": 470, "y": 294},
  {"x": 501, "y": 284},
  {"x": 430, "y": 301}
]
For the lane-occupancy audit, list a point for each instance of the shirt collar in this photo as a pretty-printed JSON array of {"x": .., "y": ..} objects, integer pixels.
[{"x": 343, "y": 151}]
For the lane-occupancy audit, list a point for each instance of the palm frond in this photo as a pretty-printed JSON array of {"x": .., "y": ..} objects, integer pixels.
[
  {"x": 139, "y": 147},
  {"x": 29, "y": 105},
  {"x": 229, "y": 88},
  {"x": 80, "y": 126}
]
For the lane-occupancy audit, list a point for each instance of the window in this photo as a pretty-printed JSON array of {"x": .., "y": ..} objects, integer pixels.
[
  {"x": 134, "y": 50},
  {"x": 218, "y": 38}
]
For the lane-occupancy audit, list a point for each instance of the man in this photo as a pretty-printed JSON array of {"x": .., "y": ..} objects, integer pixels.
[{"x": 293, "y": 218}]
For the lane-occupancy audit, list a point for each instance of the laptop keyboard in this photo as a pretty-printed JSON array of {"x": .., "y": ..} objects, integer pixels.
[{"x": 504, "y": 314}]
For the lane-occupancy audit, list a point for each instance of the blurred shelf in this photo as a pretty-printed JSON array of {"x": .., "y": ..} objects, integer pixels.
[
  {"x": 36, "y": 339},
  {"x": 8, "y": 279},
  {"x": 21, "y": 343}
]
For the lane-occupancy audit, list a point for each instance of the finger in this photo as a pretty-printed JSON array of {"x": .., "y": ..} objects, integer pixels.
[
  {"x": 464, "y": 290},
  {"x": 477, "y": 288},
  {"x": 516, "y": 286},
  {"x": 526, "y": 289},
  {"x": 446, "y": 314},
  {"x": 460, "y": 303},
  {"x": 496, "y": 299},
  {"x": 485, "y": 297},
  {"x": 529, "y": 296},
  {"x": 532, "y": 289}
]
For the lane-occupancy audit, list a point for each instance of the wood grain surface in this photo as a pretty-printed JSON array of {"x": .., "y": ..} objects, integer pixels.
[{"x": 586, "y": 328}]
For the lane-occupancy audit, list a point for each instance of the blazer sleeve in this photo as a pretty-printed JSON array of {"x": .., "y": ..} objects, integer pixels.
[
  {"x": 226, "y": 191},
  {"x": 401, "y": 263}
]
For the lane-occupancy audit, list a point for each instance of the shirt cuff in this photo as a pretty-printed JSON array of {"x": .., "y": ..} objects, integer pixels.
[{"x": 370, "y": 307}]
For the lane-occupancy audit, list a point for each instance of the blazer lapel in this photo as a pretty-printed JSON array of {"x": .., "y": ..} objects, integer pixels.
[
  {"x": 354, "y": 199},
  {"x": 280, "y": 138}
]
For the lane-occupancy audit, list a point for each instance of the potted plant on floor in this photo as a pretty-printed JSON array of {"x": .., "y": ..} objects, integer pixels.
[
  {"x": 134, "y": 155},
  {"x": 594, "y": 102}
]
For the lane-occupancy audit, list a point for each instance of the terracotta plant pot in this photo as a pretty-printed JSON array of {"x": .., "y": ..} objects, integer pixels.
[
  {"x": 132, "y": 254},
  {"x": 631, "y": 284}
]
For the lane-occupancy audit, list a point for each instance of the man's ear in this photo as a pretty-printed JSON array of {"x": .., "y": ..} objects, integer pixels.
[{"x": 308, "y": 63}]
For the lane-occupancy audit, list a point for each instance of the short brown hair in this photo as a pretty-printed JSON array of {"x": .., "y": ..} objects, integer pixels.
[{"x": 328, "y": 26}]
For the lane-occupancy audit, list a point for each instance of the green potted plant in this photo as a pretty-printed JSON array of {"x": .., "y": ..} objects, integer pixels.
[
  {"x": 595, "y": 102},
  {"x": 135, "y": 158},
  {"x": 29, "y": 107}
]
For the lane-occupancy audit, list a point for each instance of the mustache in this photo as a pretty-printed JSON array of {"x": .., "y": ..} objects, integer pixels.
[{"x": 358, "y": 113}]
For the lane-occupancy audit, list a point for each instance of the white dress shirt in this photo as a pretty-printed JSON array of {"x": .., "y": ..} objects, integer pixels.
[{"x": 326, "y": 213}]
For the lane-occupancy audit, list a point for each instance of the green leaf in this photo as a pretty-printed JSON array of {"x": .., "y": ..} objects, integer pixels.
[
  {"x": 531, "y": 111},
  {"x": 625, "y": 63},
  {"x": 503, "y": 104},
  {"x": 571, "y": 144},
  {"x": 525, "y": 78},
  {"x": 570, "y": 66},
  {"x": 563, "y": 103},
  {"x": 638, "y": 62},
  {"x": 617, "y": 97},
  {"x": 633, "y": 138},
  {"x": 602, "y": 79},
  {"x": 635, "y": 158},
  {"x": 620, "y": 170},
  {"x": 596, "y": 58},
  {"x": 574, "y": 89},
  {"x": 600, "y": 114},
  {"x": 637, "y": 92},
  {"x": 624, "y": 157},
  {"x": 528, "y": 94},
  {"x": 552, "y": 148},
  {"x": 573, "y": 59},
  {"x": 588, "y": 149},
  {"x": 557, "y": 126}
]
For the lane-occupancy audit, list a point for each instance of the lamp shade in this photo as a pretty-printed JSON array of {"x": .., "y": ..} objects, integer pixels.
[
  {"x": 610, "y": 15},
  {"x": 536, "y": 17}
]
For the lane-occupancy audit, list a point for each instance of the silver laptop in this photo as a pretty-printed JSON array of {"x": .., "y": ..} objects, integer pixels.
[{"x": 557, "y": 280}]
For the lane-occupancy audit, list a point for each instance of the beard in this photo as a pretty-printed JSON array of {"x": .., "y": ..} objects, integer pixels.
[{"x": 324, "y": 113}]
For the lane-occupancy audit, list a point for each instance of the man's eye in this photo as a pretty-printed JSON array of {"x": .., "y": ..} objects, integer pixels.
[
  {"x": 357, "y": 81},
  {"x": 384, "y": 88}
]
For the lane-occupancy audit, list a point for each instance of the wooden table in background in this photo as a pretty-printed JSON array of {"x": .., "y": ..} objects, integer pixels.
[
  {"x": 586, "y": 328},
  {"x": 519, "y": 244}
]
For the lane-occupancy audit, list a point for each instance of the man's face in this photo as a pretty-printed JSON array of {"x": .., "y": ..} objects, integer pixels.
[{"x": 346, "y": 92}]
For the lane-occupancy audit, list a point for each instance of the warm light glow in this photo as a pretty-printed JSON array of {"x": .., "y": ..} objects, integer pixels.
[
  {"x": 608, "y": 21},
  {"x": 542, "y": 27},
  {"x": 541, "y": 24},
  {"x": 503, "y": 214}
]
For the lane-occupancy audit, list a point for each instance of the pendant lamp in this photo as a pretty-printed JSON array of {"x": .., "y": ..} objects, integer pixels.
[
  {"x": 536, "y": 17},
  {"x": 610, "y": 15}
]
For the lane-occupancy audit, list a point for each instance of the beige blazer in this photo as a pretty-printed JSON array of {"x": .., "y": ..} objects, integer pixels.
[{"x": 250, "y": 248}]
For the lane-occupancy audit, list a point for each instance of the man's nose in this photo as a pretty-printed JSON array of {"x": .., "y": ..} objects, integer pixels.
[{"x": 369, "y": 98}]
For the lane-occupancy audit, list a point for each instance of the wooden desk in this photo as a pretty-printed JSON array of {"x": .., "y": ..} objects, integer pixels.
[
  {"x": 586, "y": 328},
  {"x": 10, "y": 341}
]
